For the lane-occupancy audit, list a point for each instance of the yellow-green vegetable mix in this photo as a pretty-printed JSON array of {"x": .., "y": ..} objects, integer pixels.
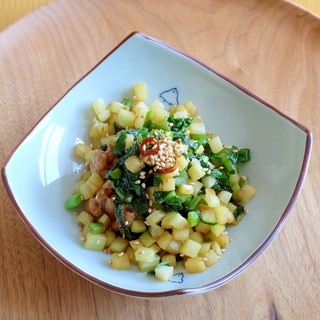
[{"x": 158, "y": 188}]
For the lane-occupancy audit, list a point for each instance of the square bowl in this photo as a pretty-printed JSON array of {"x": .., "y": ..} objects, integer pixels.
[{"x": 280, "y": 151}]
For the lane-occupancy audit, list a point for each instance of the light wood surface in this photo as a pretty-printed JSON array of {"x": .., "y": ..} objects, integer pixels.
[
  {"x": 13, "y": 10},
  {"x": 270, "y": 47},
  {"x": 312, "y": 6}
]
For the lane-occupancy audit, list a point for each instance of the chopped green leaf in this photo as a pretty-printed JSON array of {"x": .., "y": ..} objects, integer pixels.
[
  {"x": 240, "y": 210},
  {"x": 169, "y": 200},
  {"x": 182, "y": 178},
  {"x": 120, "y": 144},
  {"x": 179, "y": 124}
]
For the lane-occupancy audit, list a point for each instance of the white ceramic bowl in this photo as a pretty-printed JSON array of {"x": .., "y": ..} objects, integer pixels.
[{"x": 42, "y": 171}]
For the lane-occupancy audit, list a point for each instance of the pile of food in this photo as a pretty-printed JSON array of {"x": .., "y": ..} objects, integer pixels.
[{"x": 158, "y": 188}]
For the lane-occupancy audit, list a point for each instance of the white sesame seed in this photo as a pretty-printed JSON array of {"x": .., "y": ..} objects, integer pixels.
[{"x": 142, "y": 174}]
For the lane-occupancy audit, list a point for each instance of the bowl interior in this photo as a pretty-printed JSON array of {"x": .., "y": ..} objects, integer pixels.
[{"x": 42, "y": 171}]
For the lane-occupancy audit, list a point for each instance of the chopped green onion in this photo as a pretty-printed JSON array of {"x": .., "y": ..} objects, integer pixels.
[
  {"x": 244, "y": 155},
  {"x": 198, "y": 136},
  {"x": 201, "y": 138},
  {"x": 73, "y": 201},
  {"x": 127, "y": 102},
  {"x": 172, "y": 198},
  {"x": 228, "y": 165},
  {"x": 96, "y": 228},
  {"x": 161, "y": 264},
  {"x": 115, "y": 173},
  {"x": 193, "y": 203},
  {"x": 163, "y": 125},
  {"x": 193, "y": 218},
  {"x": 243, "y": 180},
  {"x": 148, "y": 122}
]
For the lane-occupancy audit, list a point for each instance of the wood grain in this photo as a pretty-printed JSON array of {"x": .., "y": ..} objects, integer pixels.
[
  {"x": 270, "y": 47},
  {"x": 313, "y": 6},
  {"x": 13, "y": 10}
]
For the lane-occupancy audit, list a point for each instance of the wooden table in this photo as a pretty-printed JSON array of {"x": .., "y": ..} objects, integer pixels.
[
  {"x": 313, "y": 6},
  {"x": 270, "y": 47},
  {"x": 12, "y": 10}
]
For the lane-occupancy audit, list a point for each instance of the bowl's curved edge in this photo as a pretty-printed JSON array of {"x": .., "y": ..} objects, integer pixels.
[{"x": 185, "y": 291}]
